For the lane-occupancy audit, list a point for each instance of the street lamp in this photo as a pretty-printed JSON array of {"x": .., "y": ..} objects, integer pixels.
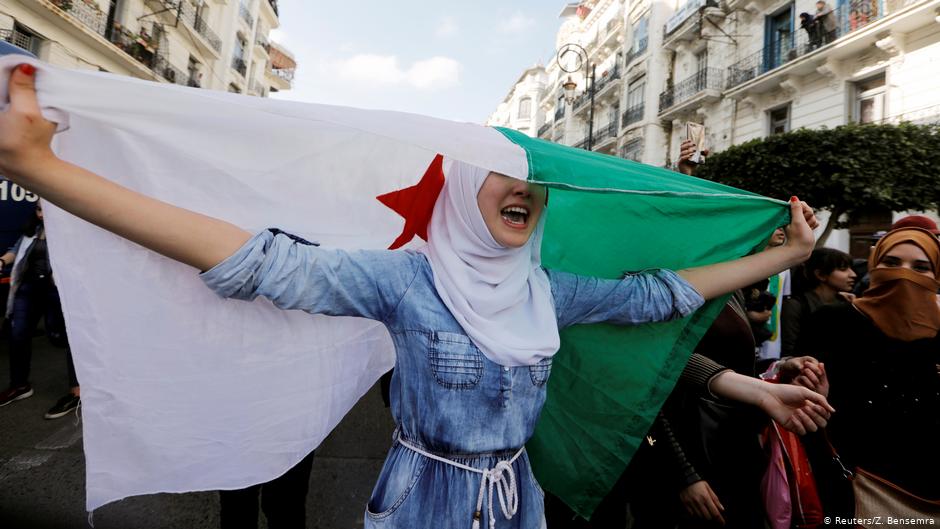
[{"x": 570, "y": 58}]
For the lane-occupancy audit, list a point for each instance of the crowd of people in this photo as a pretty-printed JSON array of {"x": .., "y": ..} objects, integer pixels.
[{"x": 747, "y": 439}]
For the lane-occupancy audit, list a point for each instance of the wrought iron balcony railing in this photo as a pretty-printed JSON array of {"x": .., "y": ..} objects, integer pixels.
[
  {"x": 846, "y": 19},
  {"x": 559, "y": 112},
  {"x": 704, "y": 79},
  {"x": 605, "y": 80},
  {"x": 544, "y": 128},
  {"x": 582, "y": 144},
  {"x": 632, "y": 115},
  {"x": 286, "y": 74},
  {"x": 188, "y": 14},
  {"x": 604, "y": 133},
  {"x": 16, "y": 38},
  {"x": 635, "y": 52},
  {"x": 142, "y": 49},
  {"x": 88, "y": 14}
]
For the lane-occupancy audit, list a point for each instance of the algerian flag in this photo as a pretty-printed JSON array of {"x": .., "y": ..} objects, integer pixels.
[{"x": 184, "y": 391}]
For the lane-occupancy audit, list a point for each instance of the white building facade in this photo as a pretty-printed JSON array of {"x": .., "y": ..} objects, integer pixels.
[
  {"x": 214, "y": 44},
  {"x": 745, "y": 69}
]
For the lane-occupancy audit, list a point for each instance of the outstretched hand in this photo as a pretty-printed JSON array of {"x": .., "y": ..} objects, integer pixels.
[
  {"x": 796, "y": 408},
  {"x": 800, "y": 238},
  {"x": 25, "y": 136}
]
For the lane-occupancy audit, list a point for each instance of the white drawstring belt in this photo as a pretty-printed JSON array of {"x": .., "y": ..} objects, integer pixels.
[{"x": 501, "y": 477}]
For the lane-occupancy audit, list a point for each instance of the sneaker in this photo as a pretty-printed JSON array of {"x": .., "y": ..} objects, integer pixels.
[
  {"x": 63, "y": 407},
  {"x": 15, "y": 394}
]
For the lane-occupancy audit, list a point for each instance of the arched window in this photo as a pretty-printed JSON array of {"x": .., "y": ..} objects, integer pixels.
[{"x": 525, "y": 108}]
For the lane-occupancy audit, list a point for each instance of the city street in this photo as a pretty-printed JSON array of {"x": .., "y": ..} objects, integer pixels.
[{"x": 42, "y": 468}]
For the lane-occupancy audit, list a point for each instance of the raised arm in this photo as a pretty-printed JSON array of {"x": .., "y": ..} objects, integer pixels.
[
  {"x": 714, "y": 280},
  {"x": 27, "y": 159}
]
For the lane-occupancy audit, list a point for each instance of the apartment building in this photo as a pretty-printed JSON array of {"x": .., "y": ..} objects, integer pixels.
[
  {"x": 744, "y": 68},
  {"x": 214, "y": 44}
]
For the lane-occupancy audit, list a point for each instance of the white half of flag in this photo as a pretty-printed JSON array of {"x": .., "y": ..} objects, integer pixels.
[{"x": 182, "y": 390}]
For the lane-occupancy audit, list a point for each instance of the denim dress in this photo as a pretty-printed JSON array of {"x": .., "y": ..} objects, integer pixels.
[{"x": 447, "y": 398}]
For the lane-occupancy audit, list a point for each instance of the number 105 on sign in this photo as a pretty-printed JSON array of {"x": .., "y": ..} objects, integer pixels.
[{"x": 12, "y": 192}]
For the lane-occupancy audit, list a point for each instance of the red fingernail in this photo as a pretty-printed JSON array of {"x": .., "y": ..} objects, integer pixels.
[
  {"x": 794, "y": 199},
  {"x": 27, "y": 69}
]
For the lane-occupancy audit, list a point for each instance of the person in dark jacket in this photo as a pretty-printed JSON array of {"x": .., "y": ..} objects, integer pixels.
[
  {"x": 881, "y": 359},
  {"x": 828, "y": 278},
  {"x": 813, "y": 30},
  {"x": 34, "y": 296}
]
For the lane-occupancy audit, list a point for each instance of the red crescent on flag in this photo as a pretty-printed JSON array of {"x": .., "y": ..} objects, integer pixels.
[{"x": 416, "y": 203}]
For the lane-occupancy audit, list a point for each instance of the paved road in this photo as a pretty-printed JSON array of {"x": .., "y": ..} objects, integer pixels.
[{"x": 42, "y": 466}]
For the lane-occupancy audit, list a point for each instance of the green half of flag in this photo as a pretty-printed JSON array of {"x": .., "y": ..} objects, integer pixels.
[{"x": 608, "y": 216}]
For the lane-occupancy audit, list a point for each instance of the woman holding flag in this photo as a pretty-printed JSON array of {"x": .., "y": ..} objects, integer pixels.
[{"x": 473, "y": 316}]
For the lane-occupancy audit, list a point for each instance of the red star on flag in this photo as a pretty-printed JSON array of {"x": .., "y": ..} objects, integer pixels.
[{"x": 416, "y": 203}]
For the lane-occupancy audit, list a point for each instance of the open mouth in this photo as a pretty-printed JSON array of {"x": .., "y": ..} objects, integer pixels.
[{"x": 515, "y": 216}]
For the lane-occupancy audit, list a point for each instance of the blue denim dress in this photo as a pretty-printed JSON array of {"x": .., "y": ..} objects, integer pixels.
[{"x": 447, "y": 398}]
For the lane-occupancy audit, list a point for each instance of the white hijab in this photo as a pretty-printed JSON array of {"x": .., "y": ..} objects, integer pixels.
[{"x": 500, "y": 296}]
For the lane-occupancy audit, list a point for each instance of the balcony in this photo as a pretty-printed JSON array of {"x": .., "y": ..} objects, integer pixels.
[
  {"x": 606, "y": 80},
  {"x": 559, "y": 112},
  {"x": 245, "y": 15},
  {"x": 608, "y": 35},
  {"x": 599, "y": 88},
  {"x": 27, "y": 42},
  {"x": 703, "y": 85},
  {"x": 90, "y": 16},
  {"x": 850, "y": 19},
  {"x": 632, "y": 150},
  {"x": 686, "y": 23},
  {"x": 582, "y": 144},
  {"x": 140, "y": 47},
  {"x": 240, "y": 66},
  {"x": 605, "y": 136},
  {"x": 632, "y": 115},
  {"x": 636, "y": 52},
  {"x": 185, "y": 11},
  {"x": 544, "y": 129},
  {"x": 286, "y": 74}
]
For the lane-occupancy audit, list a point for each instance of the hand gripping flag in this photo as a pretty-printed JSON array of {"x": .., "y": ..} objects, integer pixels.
[{"x": 184, "y": 391}]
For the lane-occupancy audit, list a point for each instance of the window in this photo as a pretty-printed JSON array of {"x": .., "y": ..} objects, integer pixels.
[
  {"x": 22, "y": 37},
  {"x": 779, "y": 120},
  {"x": 525, "y": 108},
  {"x": 635, "y": 93},
  {"x": 870, "y": 100},
  {"x": 195, "y": 76},
  {"x": 701, "y": 60},
  {"x": 240, "y": 45},
  {"x": 640, "y": 34},
  {"x": 778, "y": 38},
  {"x": 632, "y": 150}
]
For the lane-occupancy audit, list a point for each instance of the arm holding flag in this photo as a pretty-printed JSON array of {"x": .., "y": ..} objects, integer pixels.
[
  {"x": 714, "y": 280},
  {"x": 27, "y": 159}
]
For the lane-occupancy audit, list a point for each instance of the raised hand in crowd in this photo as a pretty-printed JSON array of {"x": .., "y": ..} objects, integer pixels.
[{"x": 686, "y": 150}]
